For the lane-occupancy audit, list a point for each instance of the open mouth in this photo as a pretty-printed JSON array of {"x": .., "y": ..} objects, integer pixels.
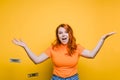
[{"x": 64, "y": 38}]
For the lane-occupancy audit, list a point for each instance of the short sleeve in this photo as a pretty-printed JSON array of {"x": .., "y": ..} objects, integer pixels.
[
  {"x": 80, "y": 49},
  {"x": 48, "y": 51}
]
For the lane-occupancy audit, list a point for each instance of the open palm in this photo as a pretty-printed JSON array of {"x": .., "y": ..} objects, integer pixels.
[
  {"x": 107, "y": 35},
  {"x": 19, "y": 43}
]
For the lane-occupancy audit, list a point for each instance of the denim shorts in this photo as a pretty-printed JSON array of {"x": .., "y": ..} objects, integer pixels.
[{"x": 74, "y": 77}]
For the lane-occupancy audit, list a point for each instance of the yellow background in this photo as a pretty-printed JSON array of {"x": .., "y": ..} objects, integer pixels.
[{"x": 35, "y": 21}]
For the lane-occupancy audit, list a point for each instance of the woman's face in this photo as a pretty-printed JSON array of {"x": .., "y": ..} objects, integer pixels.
[{"x": 63, "y": 35}]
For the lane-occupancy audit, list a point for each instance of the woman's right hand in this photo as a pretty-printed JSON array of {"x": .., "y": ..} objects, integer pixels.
[
  {"x": 19, "y": 42},
  {"x": 32, "y": 56}
]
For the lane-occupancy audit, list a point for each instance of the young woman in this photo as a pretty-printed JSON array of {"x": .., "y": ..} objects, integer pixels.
[{"x": 64, "y": 53}]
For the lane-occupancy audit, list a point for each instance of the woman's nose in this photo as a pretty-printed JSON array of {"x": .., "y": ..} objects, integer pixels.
[{"x": 63, "y": 35}]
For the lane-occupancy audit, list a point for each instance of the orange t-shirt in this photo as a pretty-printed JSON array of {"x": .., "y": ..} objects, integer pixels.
[{"x": 64, "y": 65}]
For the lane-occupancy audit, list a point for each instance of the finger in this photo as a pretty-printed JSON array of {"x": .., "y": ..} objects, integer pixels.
[
  {"x": 112, "y": 33},
  {"x": 15, "y": 40}
]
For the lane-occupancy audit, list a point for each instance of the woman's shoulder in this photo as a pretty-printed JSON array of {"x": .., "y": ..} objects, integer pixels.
[{"x": 79, "y": 46}]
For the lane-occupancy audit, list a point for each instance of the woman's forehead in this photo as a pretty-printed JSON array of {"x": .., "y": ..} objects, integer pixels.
[{"x": 61, "y": 29}]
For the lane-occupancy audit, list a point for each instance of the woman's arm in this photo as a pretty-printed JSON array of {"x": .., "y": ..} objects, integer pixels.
[
  {"x": 91, "y": 54},
  {"x": 32, "y": 56}
]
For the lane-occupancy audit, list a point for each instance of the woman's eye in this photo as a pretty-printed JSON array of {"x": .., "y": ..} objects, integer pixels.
[{"x": 59, "y": 32}]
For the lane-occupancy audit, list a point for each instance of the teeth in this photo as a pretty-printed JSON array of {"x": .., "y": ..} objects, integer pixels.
[{"x": 64, "y": 38}]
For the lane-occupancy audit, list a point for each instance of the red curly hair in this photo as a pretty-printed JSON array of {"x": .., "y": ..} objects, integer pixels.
[{"x": 71, "y": 45}]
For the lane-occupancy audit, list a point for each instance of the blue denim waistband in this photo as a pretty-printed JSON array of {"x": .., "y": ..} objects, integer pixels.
[{"x": 73, "y": 77}]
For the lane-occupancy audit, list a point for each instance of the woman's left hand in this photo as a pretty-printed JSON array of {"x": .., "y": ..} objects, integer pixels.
[{"x": 107, "y": 35}]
